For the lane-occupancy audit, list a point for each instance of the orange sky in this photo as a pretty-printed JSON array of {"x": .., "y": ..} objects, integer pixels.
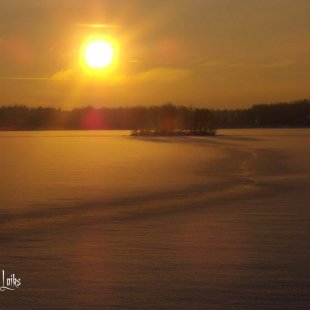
[{"x": 212, "y": 53}]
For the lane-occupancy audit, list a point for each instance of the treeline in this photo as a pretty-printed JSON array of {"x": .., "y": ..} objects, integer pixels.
[
  {"x": 278, "y": 115},
  {"x": 167, "y": 118}
]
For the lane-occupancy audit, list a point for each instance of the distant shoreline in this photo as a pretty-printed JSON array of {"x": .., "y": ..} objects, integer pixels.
[
  {"x": 150, "y": 134},
  {"x": 165, "y": 118}
]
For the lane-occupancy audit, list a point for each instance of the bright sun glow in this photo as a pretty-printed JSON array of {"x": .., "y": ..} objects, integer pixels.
[{"x": 99, "y": 54}]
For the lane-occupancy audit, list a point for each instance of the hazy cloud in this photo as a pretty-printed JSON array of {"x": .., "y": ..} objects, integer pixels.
[
  {"x": 158, "y": 75},
  {"x": 279, "y": 64},
  {"x": 272, "y": 65},
  {"x": 211, "y": 63},
  {"x": 164, "y": 75},
  {"x": 63, "y": 75},
  {"x": 31, "y": 78},
  {"x": 97, "y": 26}
]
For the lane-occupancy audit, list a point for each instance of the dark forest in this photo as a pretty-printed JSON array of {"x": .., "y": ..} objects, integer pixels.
[{"x": 167, "y": 118}]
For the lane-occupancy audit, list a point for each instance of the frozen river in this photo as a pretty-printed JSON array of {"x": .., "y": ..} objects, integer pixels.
[{"x": 102, "y": 220}]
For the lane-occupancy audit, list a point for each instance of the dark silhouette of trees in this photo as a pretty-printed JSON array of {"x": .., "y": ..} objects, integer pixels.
[
  {"x": 203, "y": 122},
  {"x": 167, "y": 119}
]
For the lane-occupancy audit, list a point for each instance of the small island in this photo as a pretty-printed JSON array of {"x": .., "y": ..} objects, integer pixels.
[
  {"x": 175, "y": 133},
  {"x": 170, "y": 121}
]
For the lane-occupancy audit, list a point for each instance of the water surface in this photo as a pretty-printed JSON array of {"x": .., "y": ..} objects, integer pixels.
[{"x": 102, "y": 220}]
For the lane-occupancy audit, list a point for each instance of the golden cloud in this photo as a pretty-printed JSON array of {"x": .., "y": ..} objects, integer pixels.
[{"x": 164, "y": 75}]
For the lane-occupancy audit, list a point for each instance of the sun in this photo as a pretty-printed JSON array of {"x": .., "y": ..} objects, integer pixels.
[{"x": 99, "y": 54}]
